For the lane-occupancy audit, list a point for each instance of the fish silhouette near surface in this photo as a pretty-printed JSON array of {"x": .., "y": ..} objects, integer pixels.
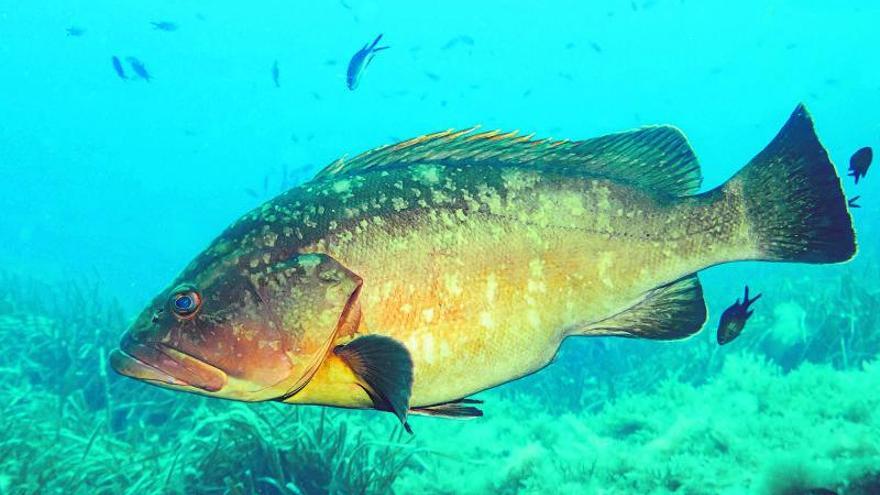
[
  {"x": 75, "y": 31},
  {"x": 276, "y": 74},
  {"x": 164, "y": 26},
  {"x": 139, "y": 68},
  {"x": 859, "y": 163},
  {"x": 118, "y": 68},
  {"x": 734, "y": 318},
  {"x": 414, "y": 275},
  {"x": 359, "y": 62}
]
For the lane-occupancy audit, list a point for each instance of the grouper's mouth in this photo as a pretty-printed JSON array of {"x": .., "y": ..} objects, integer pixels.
[{"x": 161, "y": 365}]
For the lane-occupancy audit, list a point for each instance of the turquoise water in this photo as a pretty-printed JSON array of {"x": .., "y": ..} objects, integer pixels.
[{"x": 115, "y": 185}]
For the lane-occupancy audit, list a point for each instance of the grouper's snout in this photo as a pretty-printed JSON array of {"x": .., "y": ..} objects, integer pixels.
[{"x": 159, "y": 364}]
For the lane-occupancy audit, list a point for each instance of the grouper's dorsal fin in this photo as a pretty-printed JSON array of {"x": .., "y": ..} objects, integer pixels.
[
  {"x": 672, "y": 311},
  {"x": 657, "y": 158}
]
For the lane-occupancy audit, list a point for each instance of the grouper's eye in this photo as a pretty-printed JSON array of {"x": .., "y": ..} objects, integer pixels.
[{"x": 185, "y": 301}]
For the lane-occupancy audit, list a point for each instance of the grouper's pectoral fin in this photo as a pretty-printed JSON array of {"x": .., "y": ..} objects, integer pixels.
[
  {"x": 384, "y": 369},
  {"x": 452, "y": 409},
  {"x": 672, "y": 311}
]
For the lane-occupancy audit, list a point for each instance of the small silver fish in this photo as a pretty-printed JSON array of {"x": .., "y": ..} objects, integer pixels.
[{"x": 360, "y": 61}]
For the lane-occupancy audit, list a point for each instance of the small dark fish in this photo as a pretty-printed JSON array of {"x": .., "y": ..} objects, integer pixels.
[
  {"x": 276, "y": 75},
  {"x": 75, "y": 31},
  {"x": 595, "y": 46},
  {"x": 117, "y": 66},
  {"x": 458, "y": 40},
  {"x": 859, "y": 163},
  {"x": 733, "y": 320},
  {"x": 360, "y": 61},
  {"x": 138, "y": 67},
  {"x": 851, "y": 202},
  {"x": 164, "y": 26},
  {"x": 432, "y": 76}
]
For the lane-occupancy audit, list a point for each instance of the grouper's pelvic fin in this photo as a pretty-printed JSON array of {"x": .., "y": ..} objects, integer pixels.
[
  {"x": 384, "y": 369},
  {"x": 792, "y": 199},
  {"x": 672, "y": 311}
]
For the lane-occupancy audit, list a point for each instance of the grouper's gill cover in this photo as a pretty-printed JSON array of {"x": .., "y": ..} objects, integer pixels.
[{"x": 267, "y": 327}]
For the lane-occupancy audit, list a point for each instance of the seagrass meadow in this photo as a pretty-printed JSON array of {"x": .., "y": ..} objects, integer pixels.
[{"x": 134, "y": 133}]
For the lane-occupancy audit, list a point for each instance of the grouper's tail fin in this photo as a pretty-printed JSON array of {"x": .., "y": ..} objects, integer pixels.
[{"x": 793, "y": 200}]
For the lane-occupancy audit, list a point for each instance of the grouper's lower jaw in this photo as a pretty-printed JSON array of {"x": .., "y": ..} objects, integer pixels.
[{"x": 165, "y": 366}]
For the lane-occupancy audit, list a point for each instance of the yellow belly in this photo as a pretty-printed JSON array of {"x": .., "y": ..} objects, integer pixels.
[{"x": 488, "y": 304}]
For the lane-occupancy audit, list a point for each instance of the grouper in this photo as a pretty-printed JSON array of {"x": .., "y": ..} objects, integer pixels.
[{"x": 414, "y": 275}]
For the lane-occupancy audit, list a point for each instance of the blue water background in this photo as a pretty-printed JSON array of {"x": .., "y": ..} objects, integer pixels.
[{"x": 126, "y": 180}]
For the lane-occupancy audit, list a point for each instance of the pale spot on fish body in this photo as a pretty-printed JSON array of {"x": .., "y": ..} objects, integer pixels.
[
  {"x": 445, "y": 350},
  {"x": 534, "y": 319},
  {"x": 536, "y": 286},
  {"x": 491, "y": 288},
  {"x": 604, "y": 264},
  {"x": 487, "y": 320},
  {"x": 517, "y": 180},
  {"x": 428, "y": 315},
  {"x": 341, "y": 186},
  {"x": 452, "y": 282},
  {"x": 428, "y": 351},
  {"x": 573, "y": 203},
  {"x": 536, "y": 267},
  {"x": 269, "y": 239},
  {"x": 412, "y": 344},
  {"x": 399, "y": 204},
  {"x": 426, "y": 174}
]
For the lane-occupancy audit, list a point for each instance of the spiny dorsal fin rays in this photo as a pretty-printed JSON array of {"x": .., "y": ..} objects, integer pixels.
[{"x": 657, "y": 158}]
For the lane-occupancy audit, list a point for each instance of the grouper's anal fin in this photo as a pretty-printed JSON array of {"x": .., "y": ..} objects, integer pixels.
[
  {"x": 384, "y": 369},
  {"x": 656, "y": 158},
  {"x": 459, "y": 409},
  {"x": 672, "y": 311}
]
